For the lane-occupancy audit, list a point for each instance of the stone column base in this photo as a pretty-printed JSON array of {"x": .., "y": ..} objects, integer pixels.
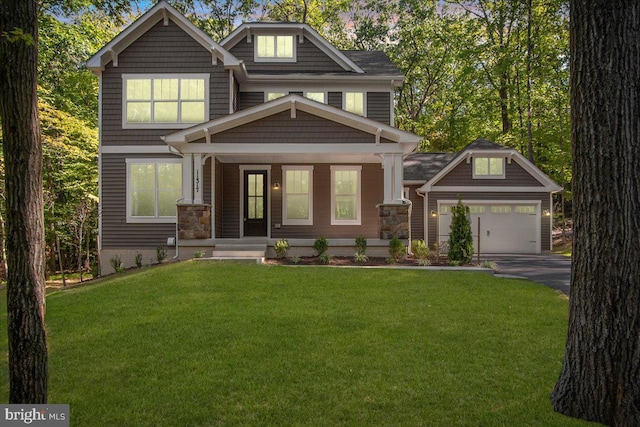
[
  {"x": 194, "y": 222},
  {"x": 393, "y": 221}
]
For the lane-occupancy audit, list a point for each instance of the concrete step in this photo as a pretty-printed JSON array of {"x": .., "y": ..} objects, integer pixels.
[
  {"x": 223, "y": 247},
  {"x": 238, "y": 254}
]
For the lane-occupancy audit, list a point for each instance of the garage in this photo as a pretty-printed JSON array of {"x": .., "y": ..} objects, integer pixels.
[{"x": 504, "y": 226}]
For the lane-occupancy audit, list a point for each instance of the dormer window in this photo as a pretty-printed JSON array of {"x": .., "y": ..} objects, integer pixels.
[
  {"x": 274, "y": 48},
  {"x": 488, "y": 168},
  {"x": 353, "y": 102}
]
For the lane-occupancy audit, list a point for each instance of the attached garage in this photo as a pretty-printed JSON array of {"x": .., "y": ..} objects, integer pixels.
[
  {"x": 497, "y": 226},
  {"x": 510, "y": 199}
]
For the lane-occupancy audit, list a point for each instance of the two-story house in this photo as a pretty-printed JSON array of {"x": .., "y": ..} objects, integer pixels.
[{"x": 274, "y": 133}]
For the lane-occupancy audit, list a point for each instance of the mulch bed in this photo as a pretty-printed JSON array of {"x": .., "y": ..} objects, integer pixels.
[{"x": 344, "y": 261}]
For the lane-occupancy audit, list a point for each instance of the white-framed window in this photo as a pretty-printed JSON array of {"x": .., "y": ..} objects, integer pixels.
[
  {"x": 346, "y": 195},
  {"x": 153, "y": 187},
  {"x": 488, "y": 167},
  {"x": 164, "y": 100},
  {"x": 316, "y": 96},
  {"x": 354, "y": 102},
  {"x": 275, "y": 48},
  {"x": 297, "y": 195},
  {"x": 270, "y": 96},
  {"x": 526, "y": 209},
  {"x": 501, "y": 209}
]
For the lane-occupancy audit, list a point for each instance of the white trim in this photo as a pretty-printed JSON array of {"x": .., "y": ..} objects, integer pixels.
[
  {"x": 99, "y": 162},
  {"x": 213, "y": 197},
  {"x": 485, "y": 189},
  {"x": 135, "y": 149},
  {"x": 267, "y": 169},
  {"x": 274, "y": 92},
  {"x": 358, "y": 220},
  {"x": 156, "y": 76},
  {"x": 140, "y": 219},
  {"x": 274, "y": 59},
  {"x": 313, "y": 85},
  {"x": 285, "y": 220}
]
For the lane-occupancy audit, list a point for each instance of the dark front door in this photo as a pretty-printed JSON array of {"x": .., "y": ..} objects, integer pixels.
[{"x": 255, "y": 203}]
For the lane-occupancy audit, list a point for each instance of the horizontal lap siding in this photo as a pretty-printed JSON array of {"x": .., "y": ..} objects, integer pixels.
[
  {"x": 230, "y": 227},
  {"x": 206, "y": 182},
  {"x": 309, "y": 58},
  {"x": 545, "y": 229},
  {"x": 116, "y": 232},
  {"x": 304, "y": 129},
  {"x": 417, "y": 214},
  {"x": 160, "y": 50},
  {"x": 379, "y": 106},
  {"x": 515, "y": 176},
  {"x": 335, "y": 99},
  {"x": 249, "y": 99},
  {"x": 219, "y": 183}
]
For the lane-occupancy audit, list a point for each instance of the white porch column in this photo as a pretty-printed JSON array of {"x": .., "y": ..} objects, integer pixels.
[
  {"x": 187, "y": 179},
  {"x": 197, "y": 179},
  {"x": 387, "y": 165},
  {"x": 398, "y": 177}
]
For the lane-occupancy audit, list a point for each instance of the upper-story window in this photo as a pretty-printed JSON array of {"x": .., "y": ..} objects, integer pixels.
[
  {"x": 354, "y": 102},
  {"x": 270, "y": 96},
  {"x": 274, "y": 48},
  {"x": 316, "y": 96},
  {"x": 488, "y": 167},
  {"x": 164, "y": 101}
]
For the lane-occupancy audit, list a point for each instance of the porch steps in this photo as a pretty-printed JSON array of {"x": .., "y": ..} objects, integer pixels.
[{"x": 231, "y": 252}]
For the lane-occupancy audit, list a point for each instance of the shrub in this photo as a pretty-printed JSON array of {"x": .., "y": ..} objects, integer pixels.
[
  {"x": 295, "y": 259},
  {"x": 360, "y": 258},
  {"x": 391, "y": 260},
  {"x": 281, "y": 248},
  {"x": 420, "y": 249},
  {"x": 424, "y": 262},
  {"x": 320, "y": 245},
  {"x": 116, "y": 263},
  {"x": 325, "y": 258},
  {"x": 460, "y": 237},
  {"x": 139, "y": 260},
  {"x": 489, "y": 264},
  {"x": 198, "y": 254},
  {"x": 396, "y": 249},
  {"x": 361, "y": 245},
  {"x": 161, "y": 254}
]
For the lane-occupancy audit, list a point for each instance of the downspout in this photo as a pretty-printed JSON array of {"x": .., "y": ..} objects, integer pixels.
[
  {"x": 174, "y": 150},
  {"x": 405, "y": 201}
]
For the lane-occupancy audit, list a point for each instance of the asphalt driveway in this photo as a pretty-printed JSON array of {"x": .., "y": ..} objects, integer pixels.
[{"x": 549, "y": 269}]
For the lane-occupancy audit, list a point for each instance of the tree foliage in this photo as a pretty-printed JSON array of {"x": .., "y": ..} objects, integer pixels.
[{"x": 460, "y": 236}]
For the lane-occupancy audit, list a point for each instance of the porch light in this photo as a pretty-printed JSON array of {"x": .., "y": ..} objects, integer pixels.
[
  {"x": 276, "y": 185},
  {"x": 434, "y": 214},
  {"x": 546, "y": 212}
]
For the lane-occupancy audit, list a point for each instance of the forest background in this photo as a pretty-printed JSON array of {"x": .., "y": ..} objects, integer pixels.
[{"x": 497, "y": 69}]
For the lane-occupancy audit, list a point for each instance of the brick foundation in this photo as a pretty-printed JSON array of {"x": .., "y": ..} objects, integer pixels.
[
  {"x": 393, "y": 221},
  {"x": 194, "y": 222}
]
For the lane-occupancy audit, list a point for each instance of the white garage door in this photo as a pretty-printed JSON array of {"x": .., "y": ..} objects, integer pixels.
[{"x": 504, "y": 227}]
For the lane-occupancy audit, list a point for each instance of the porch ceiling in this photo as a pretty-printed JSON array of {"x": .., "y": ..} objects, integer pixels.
[{"x": 299, "y": 158}]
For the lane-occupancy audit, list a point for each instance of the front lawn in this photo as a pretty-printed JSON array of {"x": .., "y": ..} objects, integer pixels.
[{"x": 199, "y": 343}]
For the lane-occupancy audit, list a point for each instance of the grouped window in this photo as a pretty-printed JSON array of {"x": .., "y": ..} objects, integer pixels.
[
  {"x": 488, "y": 167},
  {"x": 275, "y": 48},
  {"x": 153, "y": 189},
  {"x": 165, "y": 100}
]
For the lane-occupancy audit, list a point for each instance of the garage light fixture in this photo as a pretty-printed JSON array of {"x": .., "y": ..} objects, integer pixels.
[
  {"x": 546, "y": 212},
  {"x": 434, "y": 214}
]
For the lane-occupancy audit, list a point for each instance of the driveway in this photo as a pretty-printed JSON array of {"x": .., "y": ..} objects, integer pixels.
[{"x": 548, "y": 269}]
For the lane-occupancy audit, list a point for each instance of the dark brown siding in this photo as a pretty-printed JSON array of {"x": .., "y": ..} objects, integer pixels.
[
  {"x": 304, "y": 129},
  {"x": 379, "y": 106},
  {"x": 116, "y": 232},
  {"x": 249, "y": 99},
  {"x": 160, "y": 50},
  {"x": 335, "y": 99},
  {"x": 206, "y": 181},
  {"x": 230, "y": 201},
  {"x": 543, "y": 197},
  {"x": 417, "y": 214},
  {"x": 309, "y": 59},
  {"x": 515, "y": 176},
  {"x": 219, "y": 198}
]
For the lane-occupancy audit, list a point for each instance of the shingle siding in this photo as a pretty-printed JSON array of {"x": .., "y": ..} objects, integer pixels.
[{"x": 163, "y": 49}]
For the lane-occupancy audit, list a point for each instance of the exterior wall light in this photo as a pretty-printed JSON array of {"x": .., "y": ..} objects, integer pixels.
[
  {"x": 276, "y": 185},
  {"x": 434, "y": 214},
  {"x": 546, "y": 212}
]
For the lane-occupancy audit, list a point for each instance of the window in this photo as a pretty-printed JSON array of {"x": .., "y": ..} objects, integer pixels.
[
  {"x": 297, "y": 200},
  {"x": 354, "y": 102},
  {"x": 501, "y": 209},
  {"x": 345, "y": 195},
  {"x": 153, "y": 187},
  {"x": 488, "y": 167},
  {"x": 270, "y": 96},
  {"x": 477, "y": 209},
  {"x": 274, "y": 48},
  {"x": 315, "y": 96},
  {"x": 526, "y": 209},
  {"x": 164, "y": 101}
]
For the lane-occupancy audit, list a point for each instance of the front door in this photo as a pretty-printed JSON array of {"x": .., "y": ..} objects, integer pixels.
[{"x": 255, "y": 203}]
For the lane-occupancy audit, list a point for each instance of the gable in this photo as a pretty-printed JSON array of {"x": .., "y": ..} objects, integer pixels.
[{"x": 462, "y": 175}]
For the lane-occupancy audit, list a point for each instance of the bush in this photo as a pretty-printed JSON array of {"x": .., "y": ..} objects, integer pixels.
[
  {"x": 325, "y": 258},
  {"x": 420, "y": 249},
  {"x": 360, "y": 258},
  {"x": 116, "y": 263},
  {"x": 424, "y": 262},
  {"x": 198, "y": 254},
  {"x": 281, "y": 248},
  {"x": 161, "y": 254},
  {"x": 320, "y": 245},
  {"x": 139, "y": 260},
  {"x": 460, "y": 237},
  {"x": 295, "y": 259},
  {"x": 396, "y": 249},
  {"x": 361, "y": 245}
]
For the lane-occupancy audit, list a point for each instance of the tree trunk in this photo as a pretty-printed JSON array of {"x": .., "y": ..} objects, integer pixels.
[
  {"x": 600, "y": 378},
  {"x": 23, "y": 189}
]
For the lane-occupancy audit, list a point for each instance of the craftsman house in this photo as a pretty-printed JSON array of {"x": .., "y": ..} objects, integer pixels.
[{"x": 274, "y": 133}]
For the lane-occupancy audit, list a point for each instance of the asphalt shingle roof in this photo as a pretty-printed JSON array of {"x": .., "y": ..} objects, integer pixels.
[
  {"x": 424, "y": 166},
  {"x": 373, "y": 62}
]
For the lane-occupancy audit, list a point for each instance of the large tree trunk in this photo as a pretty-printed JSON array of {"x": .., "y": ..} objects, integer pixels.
[
  {"x": 24, "y": 220},
  {"x": 600, "y": 379}
]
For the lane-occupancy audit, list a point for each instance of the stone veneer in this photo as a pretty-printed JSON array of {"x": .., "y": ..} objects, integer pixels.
[
  {"x": 194, "y": 222},
  {"x": 393, "y": 221}
]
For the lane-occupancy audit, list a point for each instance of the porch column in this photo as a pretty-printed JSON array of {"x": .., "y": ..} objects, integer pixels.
[
  {"x": 197, "y": 179},
  {"x": 187, "y": 179},
  {"x": 387, "y": 165},
  {"x": 398, "y": 177}
]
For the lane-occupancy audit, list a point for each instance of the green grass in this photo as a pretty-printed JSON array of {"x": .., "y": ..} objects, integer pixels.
[{"x": 202, "y": 344}]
